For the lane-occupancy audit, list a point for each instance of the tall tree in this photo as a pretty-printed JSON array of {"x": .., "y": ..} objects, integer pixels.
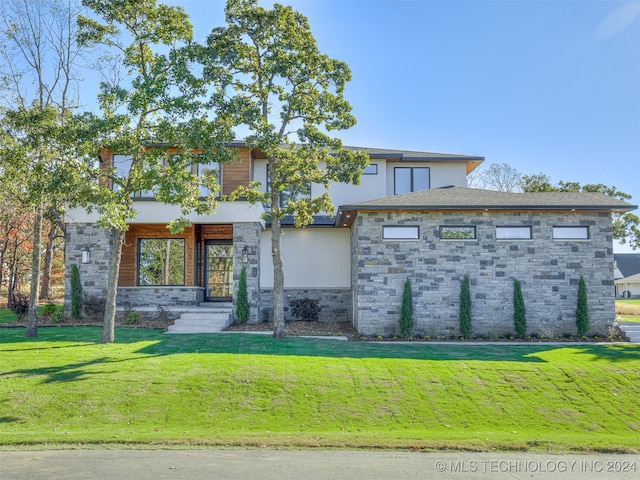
[
  {"x": 501, "y": 177},
  {"x": 270, "y": 77},
  {"x": 40, "y": 56},
  {"x": 152, "y": 106},
  {"x": 626, "y": 226}
]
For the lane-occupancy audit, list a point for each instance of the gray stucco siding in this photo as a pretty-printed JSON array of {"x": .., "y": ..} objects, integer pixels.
[{"x": 548, "y": 269}]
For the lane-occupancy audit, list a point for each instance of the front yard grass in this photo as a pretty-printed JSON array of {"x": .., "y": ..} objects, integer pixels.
[
  {"x": 628, "y": 310},
  {"x": 238, "y": 389}
]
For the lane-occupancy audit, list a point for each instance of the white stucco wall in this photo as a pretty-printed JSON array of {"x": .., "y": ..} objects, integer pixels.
[{"x": 313, "y": 258}]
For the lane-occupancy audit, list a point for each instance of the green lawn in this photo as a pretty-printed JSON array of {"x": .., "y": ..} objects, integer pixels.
[
  {"x": 7, "y": 316},
  {"x": 238, "y": 389}
]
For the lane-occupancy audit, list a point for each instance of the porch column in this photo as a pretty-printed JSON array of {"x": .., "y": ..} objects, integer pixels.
[{"x": 246, "y": 252}]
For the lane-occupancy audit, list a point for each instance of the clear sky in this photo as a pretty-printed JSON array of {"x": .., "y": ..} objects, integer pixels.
[{"x": 547, "y": 86}]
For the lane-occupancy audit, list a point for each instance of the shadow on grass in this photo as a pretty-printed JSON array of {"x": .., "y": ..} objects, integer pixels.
[
  {"x": 63, "y": 373},
  {"x": 159, "y": 344}
]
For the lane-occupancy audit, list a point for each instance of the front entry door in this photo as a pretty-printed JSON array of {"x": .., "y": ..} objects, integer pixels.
[{"x": 218, "y": 271}]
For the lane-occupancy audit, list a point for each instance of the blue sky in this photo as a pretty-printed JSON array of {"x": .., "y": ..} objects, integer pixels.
[{"x": 547, "y": 86}]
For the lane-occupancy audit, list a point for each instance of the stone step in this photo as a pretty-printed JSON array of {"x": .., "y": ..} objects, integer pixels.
[
  {"x": 631, "y": 330},
  {"x": 207, "y": 318}
]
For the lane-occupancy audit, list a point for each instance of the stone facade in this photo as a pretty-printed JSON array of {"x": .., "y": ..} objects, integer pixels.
[
  {"x": 246, "y": 245},
  {"x": 164, "y": 296},
  {"x": 335, "y": 303},
  {"x": 97, "y": 241},
  {"x": 548, "y": 269}
]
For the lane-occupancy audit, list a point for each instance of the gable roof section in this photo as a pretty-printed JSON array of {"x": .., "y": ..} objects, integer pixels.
[
  {"x": 627, "y": 263},
  {"x": 465, "y": 199}
]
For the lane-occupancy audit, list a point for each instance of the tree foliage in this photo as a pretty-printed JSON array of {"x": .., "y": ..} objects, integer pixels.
[
  {"x": 464, "y": 317},
  {"x": 519, "y": 311},
  {"x": 76, "y": 292},
  {"x": 271, "y": 78},
  {"x": 406, "y": 310},
  {"x": 153, "y": 113}
]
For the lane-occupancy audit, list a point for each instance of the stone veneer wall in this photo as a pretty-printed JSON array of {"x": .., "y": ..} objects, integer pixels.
[
  {"x": 165, "y": 296},
  {"x": 335, "y": 303},
  {"x": 247, "y": 236},
  {"x": 548, "y": 269},
  {"x": 93, "y": 275}
]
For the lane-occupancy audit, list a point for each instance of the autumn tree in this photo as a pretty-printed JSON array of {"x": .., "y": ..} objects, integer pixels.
[
  {"x": 150, "y": 112},
  {"x": 38, "y": 96},
  {"x": 270, "y": 77},
  {"x": 500, "y": 177}
]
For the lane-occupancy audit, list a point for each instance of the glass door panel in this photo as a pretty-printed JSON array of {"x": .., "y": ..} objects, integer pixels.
[{"x": 218, "y": 271}]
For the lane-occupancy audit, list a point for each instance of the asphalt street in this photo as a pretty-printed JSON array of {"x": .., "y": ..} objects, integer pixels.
[{"x": 231, "y": 464}]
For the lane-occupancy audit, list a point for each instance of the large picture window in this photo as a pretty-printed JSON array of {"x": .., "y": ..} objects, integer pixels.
[
  {"x": 410, "y": 179},
  {"x": 161, "y": 261},
  {"x": 206, "y": 170}
]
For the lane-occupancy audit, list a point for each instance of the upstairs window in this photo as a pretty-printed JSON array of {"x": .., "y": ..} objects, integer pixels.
[
  {"x": 457, "y": 233},
  {"x": 570, "y": 233},
  {"x": 301, "y": 191},
  {"x": 201, "y": 168},
  {"x": 371, "y": 169},
  {"x": 410, "y": 179}
]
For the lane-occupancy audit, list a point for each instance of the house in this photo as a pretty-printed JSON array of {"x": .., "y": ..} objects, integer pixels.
[
  {"x": 412, "y": 216},
  {"x": 627, "y": 274}
]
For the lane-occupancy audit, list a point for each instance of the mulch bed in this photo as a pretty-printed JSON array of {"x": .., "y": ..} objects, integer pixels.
[{"x": 301, "y": 328}]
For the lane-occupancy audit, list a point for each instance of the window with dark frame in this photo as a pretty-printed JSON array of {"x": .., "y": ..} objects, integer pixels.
[
  {"x": 410, "y": 179},
  {"x": 458, "y": 232},
  {"x": 571, "y": 233},
  {"x": 299, "y": 192},
  {"x": 371, "y": 169},
  {"x": 403, "y": 232},
  {"x": 513, "y": 233},
  {"x": 161, "y": 261}
]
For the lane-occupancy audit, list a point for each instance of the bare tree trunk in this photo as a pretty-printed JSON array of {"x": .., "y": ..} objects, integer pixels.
[
  {"x": 278, "y": 262},
  {"x": 108, "y": 332},
  {"x": 45, "y": 283},
  {"x": 32, "y": 322}
]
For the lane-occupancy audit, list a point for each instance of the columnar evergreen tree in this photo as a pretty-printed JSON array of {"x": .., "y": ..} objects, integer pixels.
[
  {"x": 242, "y": 300},
  {"x": 406, "y": 310},
  {"x": 582, "y": 309},
  {"x": 465, "y": 308},
  {"x": 76, "y": 292},
  {"x": 519, "y": 311},
  {"x": 271, "y": 78}
]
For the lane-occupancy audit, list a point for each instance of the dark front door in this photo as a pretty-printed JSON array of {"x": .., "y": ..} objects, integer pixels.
[{"x": 218, "y": 270}]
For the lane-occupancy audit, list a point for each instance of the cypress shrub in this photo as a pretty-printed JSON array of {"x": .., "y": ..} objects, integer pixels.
[
  {"x": 242, "y": 303},
  {"x": 519, "y": 312},
  {"x": 465, "y": 308},
  {"x": 76, "y": 293},
  {"x": 582, "y": 310},
  {"x": 406, "y": 310}
]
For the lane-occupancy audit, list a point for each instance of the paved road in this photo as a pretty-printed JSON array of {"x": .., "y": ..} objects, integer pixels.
[{"x": 308, "y": 465}]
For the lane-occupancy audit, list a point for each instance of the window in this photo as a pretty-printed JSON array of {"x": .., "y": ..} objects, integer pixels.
[
  {"x": 410, "y": 179},
  {"x": 513, "y": 233},
  {"x": 122, "y": 165},
  {"x": 570, "y": 233},
  {"x": 161, "y": 261},
  {"x": 457, "y": 233},
  {"x": 400, "y": 233},
  {"x": 206, "y": 170},
  {"x": 371, "y": 169}
]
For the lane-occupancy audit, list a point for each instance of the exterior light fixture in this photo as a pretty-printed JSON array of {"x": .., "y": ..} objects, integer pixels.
[
  {"x": 85, "y": 256},
  {"x": 245, "y": 255}
]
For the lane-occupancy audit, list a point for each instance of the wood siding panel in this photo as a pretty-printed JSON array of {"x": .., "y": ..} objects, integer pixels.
[
  {"x": 128, "y": 264},
  {"x": 236, "y": 172}
]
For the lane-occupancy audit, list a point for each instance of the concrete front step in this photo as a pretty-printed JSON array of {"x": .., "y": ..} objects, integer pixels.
[
  {"x": 631, "y": 330},
  {"x": 207, "y": 318}
]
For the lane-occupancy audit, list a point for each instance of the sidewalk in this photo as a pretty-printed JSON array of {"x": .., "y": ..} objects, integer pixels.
[{"x": 261, "y": 464}]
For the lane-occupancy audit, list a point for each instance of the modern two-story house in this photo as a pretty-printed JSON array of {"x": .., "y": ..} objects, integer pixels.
[{"x": 412, "y": 216}]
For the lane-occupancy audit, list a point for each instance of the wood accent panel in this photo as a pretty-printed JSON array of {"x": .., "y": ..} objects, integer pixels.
[
  {"x": 215, "y": 232},
  {"x": 128, "y": 263},
  {"x": 237, "y": 172}
]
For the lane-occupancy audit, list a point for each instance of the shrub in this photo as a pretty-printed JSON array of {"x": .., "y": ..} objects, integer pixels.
[
  {"x": 406, "y": 310},
  {"x": 305, "y": 309},
  {"x": 76, "y": 293},
  {"x": 132, "y": 317},
  {"x": 242, "y": 303},
  {"x": 56, "y": 317},
  {"x": 19, "y": 305},
  {"x": 582, "y": 310},
  {"x": 465, "y": 308},
  {"x": 519, "y": 312},
  {"x": 49, "y": 309}
]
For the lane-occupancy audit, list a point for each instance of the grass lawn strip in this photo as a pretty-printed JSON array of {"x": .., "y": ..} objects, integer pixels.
[{"x": 235, "y": 389}]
